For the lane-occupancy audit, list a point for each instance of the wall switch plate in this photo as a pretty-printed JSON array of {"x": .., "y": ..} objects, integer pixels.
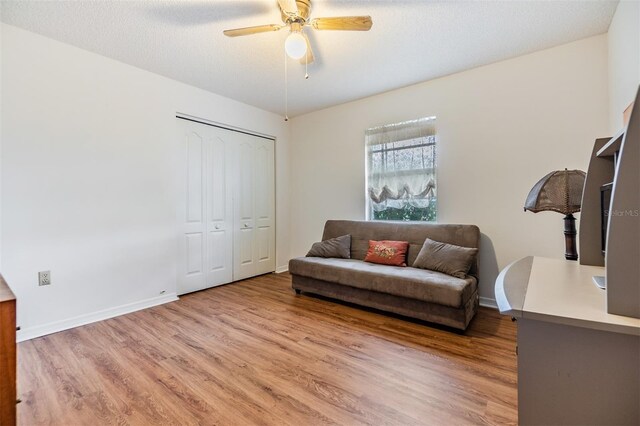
[{"x": 44, "y": 278}]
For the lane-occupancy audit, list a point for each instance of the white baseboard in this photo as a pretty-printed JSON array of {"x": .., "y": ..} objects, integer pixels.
[
  {"x": 488, "y": 302},
  {"x": 54, "y": 327},
  {"x": 281, "y": 269}
]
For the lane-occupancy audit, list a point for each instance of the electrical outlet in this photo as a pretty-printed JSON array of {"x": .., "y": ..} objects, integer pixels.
[{"x": 44, "y": 278}]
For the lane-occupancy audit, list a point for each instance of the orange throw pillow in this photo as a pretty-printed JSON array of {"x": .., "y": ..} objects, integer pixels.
[{"x": 387, "y": 252}]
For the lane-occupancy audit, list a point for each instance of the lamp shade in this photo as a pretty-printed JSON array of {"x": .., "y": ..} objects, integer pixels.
[{"x": 559, "y": 191}]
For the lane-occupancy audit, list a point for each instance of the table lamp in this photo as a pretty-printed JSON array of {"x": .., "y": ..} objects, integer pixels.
[{"x": 560, "y": 191}]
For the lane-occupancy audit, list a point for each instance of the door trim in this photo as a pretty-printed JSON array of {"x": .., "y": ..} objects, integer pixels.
[{"x": 206, "y": 122}]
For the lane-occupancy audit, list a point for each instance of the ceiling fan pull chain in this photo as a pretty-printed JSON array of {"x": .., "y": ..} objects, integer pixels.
[
  {"x": 306, "y": 66},
  {"x": 286, "y": 92}
]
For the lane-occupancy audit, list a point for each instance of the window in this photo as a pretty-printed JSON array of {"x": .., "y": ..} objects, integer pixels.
[{"x": 401, "y": 171}]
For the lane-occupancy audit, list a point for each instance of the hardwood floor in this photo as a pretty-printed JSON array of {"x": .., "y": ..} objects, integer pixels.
[{"x": 255, "y": 353}]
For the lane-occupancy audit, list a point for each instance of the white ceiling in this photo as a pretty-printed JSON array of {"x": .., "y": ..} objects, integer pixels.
[{"x": 411, "y": 41}]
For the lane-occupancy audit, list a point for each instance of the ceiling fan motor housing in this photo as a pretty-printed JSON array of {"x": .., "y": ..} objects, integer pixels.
[{"x": 304, "y": 10}]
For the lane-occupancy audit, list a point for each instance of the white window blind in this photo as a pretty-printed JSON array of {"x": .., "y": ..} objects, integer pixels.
[{"x": 401, "y": 171}]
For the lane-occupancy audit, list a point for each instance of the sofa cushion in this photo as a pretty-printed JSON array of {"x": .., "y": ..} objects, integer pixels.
[
  {"x": 413, "y": 283},
  {"x": 335, "y": 247},
  {"x": 447, "y": 258},
  {"x": 387, "y": 252}
]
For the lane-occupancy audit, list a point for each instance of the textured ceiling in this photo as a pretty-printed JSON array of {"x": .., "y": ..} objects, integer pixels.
[{"x": 411, "y": 41}]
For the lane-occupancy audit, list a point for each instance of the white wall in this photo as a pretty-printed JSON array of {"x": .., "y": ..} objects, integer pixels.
[
  {"x": 1, "y": 96},
  {"x": 501, "y": 128},
  {"x": 88, "y": 179},
  {"x": 624, "y": 60}
]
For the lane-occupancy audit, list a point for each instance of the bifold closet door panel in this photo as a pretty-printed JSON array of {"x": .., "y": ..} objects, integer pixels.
[
  {"x": 205, "y": 209},
  {"x": 244, "y": 253},
  {"x": 219, "y": 215},
  {"x": 265, "y": 206},
  {"x": 191, "y": 244},
  {"x": 254, "y": 242}
]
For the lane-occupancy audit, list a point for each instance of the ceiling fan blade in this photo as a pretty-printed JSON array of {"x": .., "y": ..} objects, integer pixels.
[
  {"x": 343, "y": 23},
  {"x": 308, "y": 58},
  {"x": 252, "y": 30},
  {"x": 289, "y": 7}
]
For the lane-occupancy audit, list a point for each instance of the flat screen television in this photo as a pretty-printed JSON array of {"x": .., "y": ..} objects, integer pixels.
[{"x": 605, "y": 205}]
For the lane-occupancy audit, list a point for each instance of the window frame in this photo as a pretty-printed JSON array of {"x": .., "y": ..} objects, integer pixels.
[{"x": 370, "y": 150}]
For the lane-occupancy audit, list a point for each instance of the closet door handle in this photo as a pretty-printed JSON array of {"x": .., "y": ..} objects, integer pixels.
[
  {"x": 217, "y": 226},
  {"x": 246, "y": 225}
]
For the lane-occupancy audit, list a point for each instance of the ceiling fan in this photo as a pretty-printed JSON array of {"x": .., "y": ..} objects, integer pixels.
[{"x": 295, "y": 16}]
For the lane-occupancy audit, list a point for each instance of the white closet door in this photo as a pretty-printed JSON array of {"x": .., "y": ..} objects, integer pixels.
[
  {"x": 219, "y": 213},
  {"x": 191, "y": 212},
  {"x": 265, "y": 206},
  {"x": 254, "y": 238},
  {"x": 227, "y": 206},
  {"x": 205, "y": 209},
  {"x": 244, "y": 261}
]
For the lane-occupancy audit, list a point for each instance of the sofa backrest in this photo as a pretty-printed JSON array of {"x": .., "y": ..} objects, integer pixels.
[{"x": 413, "y": 232}]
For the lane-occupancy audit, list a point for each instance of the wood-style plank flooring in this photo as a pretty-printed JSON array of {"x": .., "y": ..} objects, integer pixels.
[{"x": 255, "y": 353}]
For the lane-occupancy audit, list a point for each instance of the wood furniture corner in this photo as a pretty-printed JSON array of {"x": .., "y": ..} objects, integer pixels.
[{"x": 7, "y": 355}]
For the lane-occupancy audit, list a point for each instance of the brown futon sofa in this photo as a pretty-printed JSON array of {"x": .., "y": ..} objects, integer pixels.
[{"x": 419, "y": 293}]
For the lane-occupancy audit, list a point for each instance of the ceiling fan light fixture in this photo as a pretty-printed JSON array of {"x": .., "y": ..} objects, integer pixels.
[{"x": 295, "y": 45}]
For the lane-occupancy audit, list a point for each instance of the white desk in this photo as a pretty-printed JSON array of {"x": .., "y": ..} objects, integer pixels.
[{"x": 577, "y": 364}]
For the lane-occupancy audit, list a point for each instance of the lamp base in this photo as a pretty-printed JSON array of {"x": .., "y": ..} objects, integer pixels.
[{"x": 570, "y": 252}]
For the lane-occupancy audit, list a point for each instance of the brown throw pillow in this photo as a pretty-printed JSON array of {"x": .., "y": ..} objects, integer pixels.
[
  {"x": 339, "y": 247},
  {"x": 447, "y": 258}
]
